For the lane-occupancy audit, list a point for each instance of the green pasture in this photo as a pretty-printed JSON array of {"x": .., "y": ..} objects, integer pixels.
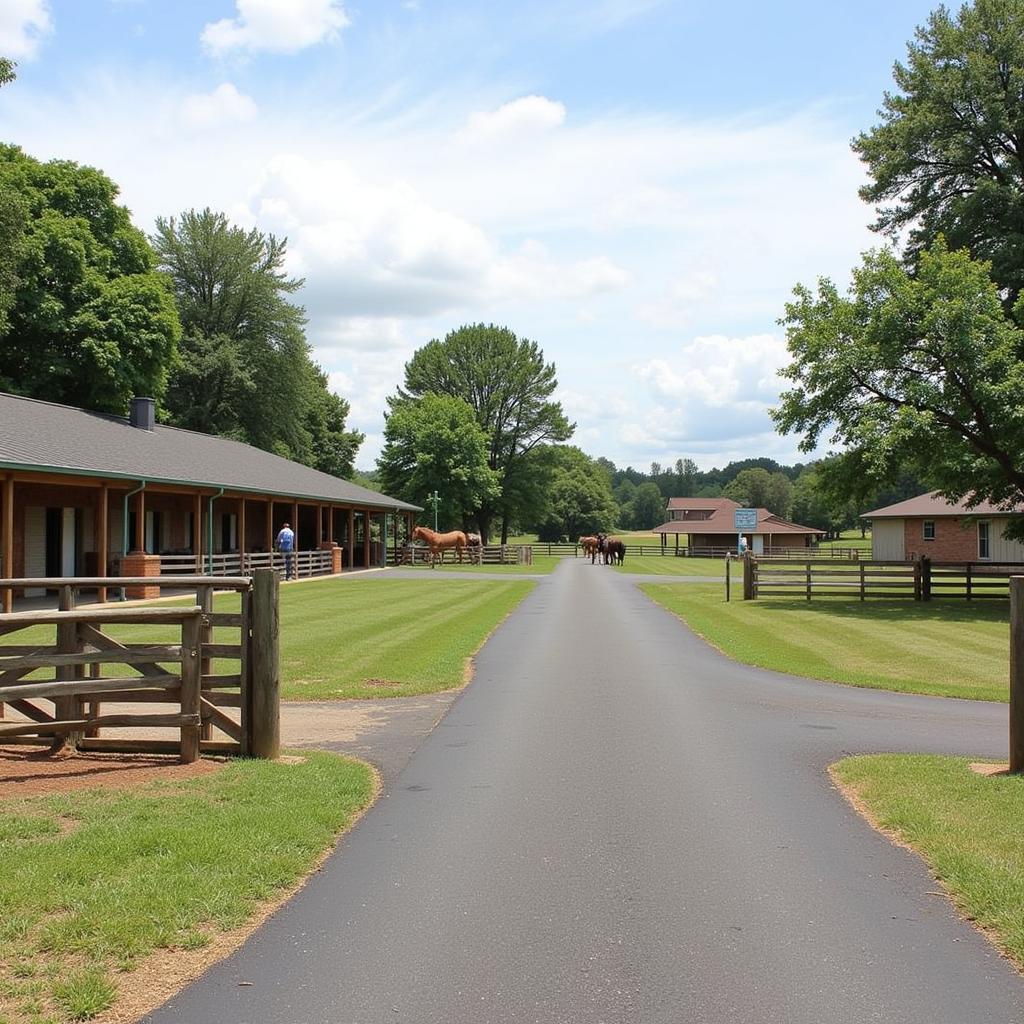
[
  {"x": 94, "y": 880},
  {"x": 946, "y": 649},
  {"x": 362, "y": 636},
  {"x": 965, "y": 825}
]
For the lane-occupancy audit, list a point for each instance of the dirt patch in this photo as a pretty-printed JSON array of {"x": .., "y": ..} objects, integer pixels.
[
  {"x": 33, "y": 772},
  {"x": 382, "y": 684},
  {"x": 984, "y": 768}
]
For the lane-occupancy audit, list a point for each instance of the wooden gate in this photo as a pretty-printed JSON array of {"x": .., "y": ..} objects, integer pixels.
[{"x": 145, "y": 655}]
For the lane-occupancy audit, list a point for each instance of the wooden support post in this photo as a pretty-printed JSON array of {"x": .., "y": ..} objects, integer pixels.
[
  {"x": 102, "y": 538},
  {"x": 351, "y": 545},
  {"x": 270, "y": 530},
  {"x": 749, "y": 578},
  {"x": 1017, "y": 674},
  {"x": 197, "y": 533},
  {"x": 728, "y": 568},
  {"x": 366, "y": 539},
  {"x": 862, "y": 581},
  {"x": 204, "y": 598},
  {"x": 191, "y": 688},
  {"x": 67, "y": 643},
  {"x": 265, "y": 691},
  {"x": 140, "y": 521},
  {"x": 968, "y": 581},
  {"x": 926, "y": 578},
  {"x": 8, "y": 532},
  {"x": 241, "y": 536},
  {"x": 808, "y": 581},
  {"x": 245, "y": 670}
]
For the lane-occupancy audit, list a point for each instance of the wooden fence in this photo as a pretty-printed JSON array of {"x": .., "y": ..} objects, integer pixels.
[
  {"x": 307, "y": 563},
  {"x": 489, "y": 554},
  {"x": 192, "y": 669},
  {"x": 919, "y": 580}
]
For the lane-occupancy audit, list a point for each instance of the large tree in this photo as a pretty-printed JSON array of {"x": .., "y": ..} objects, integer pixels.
[
  {"x": 245, "y": 369},
  {"x": 578, "y": 499},
  {"x": 7, "y": 67},
  {"x": 435, "y": 443},
  {"x": 948, "y": 155},
  {"x": 84, "y": 316},
  {"x": 509, "y": 386},
  {"x": 921, "y": 371}
]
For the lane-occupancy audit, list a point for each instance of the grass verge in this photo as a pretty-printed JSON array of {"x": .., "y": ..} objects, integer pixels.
[
  {"x": 966, "y": 826},
  {"x": 541, "y": 565},
  {"x": 945, "y": 650},
  {"x": 670, "y": 565},
  {"x": 97, "y": 880}
]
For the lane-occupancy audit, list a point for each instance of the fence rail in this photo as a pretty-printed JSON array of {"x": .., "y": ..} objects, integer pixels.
[
  {"x": 488, "y": 554},
  {"x": 314, "y": 562},
  {"x": 189, "y": 668},
  {"x": 919, "y": 580}
]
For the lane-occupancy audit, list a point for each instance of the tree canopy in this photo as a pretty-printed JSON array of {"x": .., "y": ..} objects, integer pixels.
[
  {"x": 245, "y": 369},
  {"x": 919, "y": 371},
  {"x": 508, "y": 385},
  {"x": 948, "y": 155},
  {"x": 578, "y": 496},
  {"x": 7, "y": 67},
  {"x": 85, "y": 317},
  {"x": 435, "y": 443}
]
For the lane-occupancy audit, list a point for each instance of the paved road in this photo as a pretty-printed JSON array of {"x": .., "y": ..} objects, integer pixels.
[{"x": 615, "y": 824}]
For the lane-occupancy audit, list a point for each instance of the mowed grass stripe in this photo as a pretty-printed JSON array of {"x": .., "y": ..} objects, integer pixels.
[
  {"x": 343, "y": 638},
  {"x": 942, "y": 649}
]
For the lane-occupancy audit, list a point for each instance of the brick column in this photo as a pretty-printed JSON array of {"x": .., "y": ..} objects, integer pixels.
[{"x": 138, "y": 563}]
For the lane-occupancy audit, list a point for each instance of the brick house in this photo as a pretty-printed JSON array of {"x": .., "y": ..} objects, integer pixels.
[
  {"x": 943, "y": 531},
  {"x": 89, "y": 494},
  {"x": 708, "y": 523}
]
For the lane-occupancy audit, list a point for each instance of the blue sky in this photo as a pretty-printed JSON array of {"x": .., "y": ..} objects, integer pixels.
[{"x": 636, "y": 185}]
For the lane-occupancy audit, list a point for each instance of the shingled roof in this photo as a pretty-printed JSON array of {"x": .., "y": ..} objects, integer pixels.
[
  {"x": 720, "y": 519},
  {"x": 932, "y": 505},
  {"x": 43, "y": 436}
]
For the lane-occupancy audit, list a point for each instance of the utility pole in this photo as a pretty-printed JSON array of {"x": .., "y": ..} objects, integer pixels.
[{"x": 434, "y": 500}]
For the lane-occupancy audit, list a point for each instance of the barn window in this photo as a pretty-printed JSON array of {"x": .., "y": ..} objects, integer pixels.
[
  {"x": 983, "y": 548},
  {"x": 929, "y": 529}
]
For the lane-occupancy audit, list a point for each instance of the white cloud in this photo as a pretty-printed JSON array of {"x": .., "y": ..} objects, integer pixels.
[
  {"x": 23, "y": 26},
  {"x": 675, "y": 308},
  {"x": 523, "y": 116},
  {"x": 225, "y": 105},
  {"x": 275, "y": 26}
]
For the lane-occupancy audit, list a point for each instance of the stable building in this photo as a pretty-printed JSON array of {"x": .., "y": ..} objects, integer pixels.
[
  {"x": 707, "y": 525},
  {"x": 931, "y": 526},
  {"x": 90, "y": 494}
]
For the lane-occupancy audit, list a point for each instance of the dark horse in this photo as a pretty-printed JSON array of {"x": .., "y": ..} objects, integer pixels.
[{"x": 614, "y": 551}]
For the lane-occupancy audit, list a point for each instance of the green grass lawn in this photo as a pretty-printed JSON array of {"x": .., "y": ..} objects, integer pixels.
[
  {"x": 669, "y": 565},
  {"x": 849, "y": 539},
  {"x": 945, "y": 649},
  {"x": 360, "y": 636},
  {"x": 95, "y": 880},
  {"x": 965, "y": 825}
]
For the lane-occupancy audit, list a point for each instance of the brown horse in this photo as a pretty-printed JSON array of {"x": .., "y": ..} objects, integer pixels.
[
  {"x": 475, "y": 546},
  {"x": 439, "y": 543},
  {"x": 614, "y": 551},
  {"x": 589, "y": 545}
]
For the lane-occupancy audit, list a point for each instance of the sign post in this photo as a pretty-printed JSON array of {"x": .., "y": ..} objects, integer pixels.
[{"x": 743, "y": 519}]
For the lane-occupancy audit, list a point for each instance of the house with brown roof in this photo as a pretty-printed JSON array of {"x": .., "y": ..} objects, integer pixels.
[
  {"x": 708, "y": 523},
  {"x": 945, "y": 531},
  {"x": 90, "y": 494}
]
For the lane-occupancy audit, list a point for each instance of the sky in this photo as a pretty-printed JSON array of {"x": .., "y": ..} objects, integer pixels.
[{"x": 635, "y": 185}]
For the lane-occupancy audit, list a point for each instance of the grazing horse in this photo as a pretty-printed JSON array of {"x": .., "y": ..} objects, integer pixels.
[
  {"x": 475, "y": 546},
  {"x": 439, "y": 543},
  {"x": 588, "y": 544}
]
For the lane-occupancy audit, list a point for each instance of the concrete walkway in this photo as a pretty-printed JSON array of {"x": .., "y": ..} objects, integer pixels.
[{"x": 616, "y": 824}]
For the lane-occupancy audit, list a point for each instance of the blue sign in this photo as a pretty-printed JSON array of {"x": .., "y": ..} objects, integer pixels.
[{"x": 745, "y": 518}]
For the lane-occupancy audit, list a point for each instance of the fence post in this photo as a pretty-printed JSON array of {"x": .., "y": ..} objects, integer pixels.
[
  {"x": 265, "y": 694},
  {"x": 749, "y": 571},
  {"x": 926, "y": 578},
  {"x": 191, "y": 687},
  {"x": 968, "y": 581},
  {"x": 728, "y": 566},
  {"x": 808, "y": 581},
  {"x": 204, "y": 598},
  {"x": 1017, "y": 674},
  {"x": 861, "y": 566},
  {"x": 66, "y": 708}
]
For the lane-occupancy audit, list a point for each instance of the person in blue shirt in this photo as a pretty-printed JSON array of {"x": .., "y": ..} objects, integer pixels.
[{"x": 285, "y": 543}]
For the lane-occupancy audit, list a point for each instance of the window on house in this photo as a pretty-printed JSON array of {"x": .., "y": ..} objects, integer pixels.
[
  {"x": 929, "y": 529},
  {"x": 983, "y": 545}
]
